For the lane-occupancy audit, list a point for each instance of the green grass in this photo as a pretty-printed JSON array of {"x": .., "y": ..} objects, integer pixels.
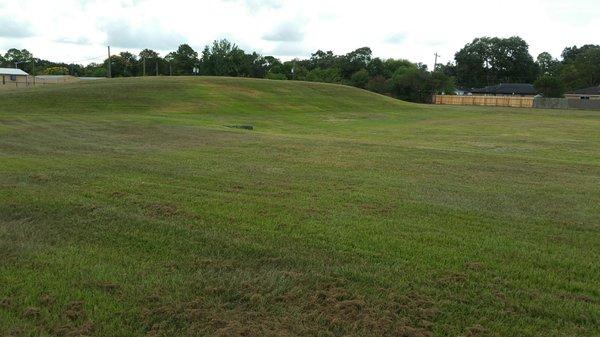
[{"x": 130, "y": 208}]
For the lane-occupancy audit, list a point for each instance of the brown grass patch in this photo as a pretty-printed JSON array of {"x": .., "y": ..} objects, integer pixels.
[
  {"x": 75, "y": 311},
  {"x": 576, "y": 297},
  {"x": 5, "y": 303},
  {"x": 47, "y": 300},
  {"x": 32, "y": 313},
  {"x": 163, "y": 210}
]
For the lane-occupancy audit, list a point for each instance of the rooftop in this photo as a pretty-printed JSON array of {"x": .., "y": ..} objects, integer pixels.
[
  {"x": 587, "y": 91},
  {"x": 508, "y": 89},
  {"x": 12, "y": 71}
]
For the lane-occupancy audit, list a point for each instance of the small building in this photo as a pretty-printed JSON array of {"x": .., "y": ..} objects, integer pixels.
[
  {"x": 14, "y": 76},
  {"x": 507, "y": 89},
  {"x": 591, "y": 93},
  {"x": 462, "y": 92}
]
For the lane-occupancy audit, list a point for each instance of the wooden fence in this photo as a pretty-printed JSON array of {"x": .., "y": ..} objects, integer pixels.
[{"x": 506, "y": 101}]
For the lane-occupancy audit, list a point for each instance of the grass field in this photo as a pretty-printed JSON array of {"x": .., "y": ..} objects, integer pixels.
[{"x": 129, "y": 208}]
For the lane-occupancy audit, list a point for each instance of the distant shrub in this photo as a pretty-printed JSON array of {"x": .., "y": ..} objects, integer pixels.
[
  {"x": 276, "y": 76},
  {"x": 360, "y": 78},
  {"x": 378, "y": 84},
  {"x": 331, "y": 75},
  {"x": 56, "y": 71}
]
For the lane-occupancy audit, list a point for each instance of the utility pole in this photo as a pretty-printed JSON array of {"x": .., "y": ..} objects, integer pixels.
[
  {"x": 436, "y": 59},
  {"x": 144, "y": 66},
  {"x": 170, "y": 69},
  {"x": 156, "y": 67},
  {"x": 109, "y": 61},
  {"x": 33, "y": 68}
]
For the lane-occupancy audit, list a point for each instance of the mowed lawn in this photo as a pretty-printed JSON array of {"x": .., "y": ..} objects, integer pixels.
[{"x": 128, "y": 207}]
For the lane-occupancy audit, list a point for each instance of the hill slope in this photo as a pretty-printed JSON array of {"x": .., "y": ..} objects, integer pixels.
[{"x": 129, "y": 208}]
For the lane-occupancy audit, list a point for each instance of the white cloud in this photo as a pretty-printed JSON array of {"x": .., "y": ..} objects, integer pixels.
[
  {"x": 14, "y": 27},
  {"x": 74, "y": 30},
  {"x": 287, "y": 32}
]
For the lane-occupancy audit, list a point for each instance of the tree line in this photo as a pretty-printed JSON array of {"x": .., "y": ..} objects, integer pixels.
[{"x": 485, "y": 61}]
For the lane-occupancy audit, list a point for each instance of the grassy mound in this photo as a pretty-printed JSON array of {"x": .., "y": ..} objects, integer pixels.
[{"x": 131, "y": 207}]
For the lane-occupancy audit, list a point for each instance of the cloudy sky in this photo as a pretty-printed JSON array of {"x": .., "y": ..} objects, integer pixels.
[{"x": 79, "y": 30}]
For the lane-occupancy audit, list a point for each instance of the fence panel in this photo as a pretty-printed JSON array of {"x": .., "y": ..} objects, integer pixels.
[{"x": 505, "y": 101}]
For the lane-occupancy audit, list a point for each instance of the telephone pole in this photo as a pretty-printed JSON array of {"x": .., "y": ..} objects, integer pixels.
[
  {"x": 144, "y": 66},
  {"x": 33, "y": 68},
  {"x": 109, "y": 61},
  {"x": 436, "y": 59},
  {"x": 157, "y": 67}
]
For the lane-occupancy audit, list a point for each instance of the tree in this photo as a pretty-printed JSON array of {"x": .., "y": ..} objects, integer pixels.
[
  {"x": 488, "y": 61},
  {"x": 550, "y": 86},
  {"x": 23, "y": 57},
  {"x": 355, "y": 61},
  {"x": 225, "y": 59},
  {"x": 322, "y": 60},
  {"x": 581, "y": 67},
  {"x": 442, "y": 83},
  {"x": 547, "y": 64},
  {"x": 129, "y": 62},
  {"x": 184, "y": 60}
]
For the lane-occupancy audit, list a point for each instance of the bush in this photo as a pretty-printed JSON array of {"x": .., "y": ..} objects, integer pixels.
[
  {"x": 276, "y": 76},
  {"x": 360, "y": 78},
  {"x": 330, "y": 75},
  {"x": 56, "y": 71},
  {"x": 378, "y": 84}
]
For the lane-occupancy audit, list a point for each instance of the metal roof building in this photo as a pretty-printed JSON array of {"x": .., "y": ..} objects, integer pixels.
[
  {"x": 12, "y": 72},
  {"x": 13, "y": 76}
]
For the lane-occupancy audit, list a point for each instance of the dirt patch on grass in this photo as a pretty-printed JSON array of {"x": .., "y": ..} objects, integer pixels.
[
  {"x": 75, "y": 311},
  {"x": 71, "y": 330},
  {"x": 376, "y": 208},
  {"x": 5, "y": 303},
  {"x": 163, "y": 210},
  {"x": 575, "y": 297},
  {"x": 476, "y": 331},
  {"x": 324, "y": 309},
  {"x": 31, "y": 313},
  {"x": 47, "y": 300}
]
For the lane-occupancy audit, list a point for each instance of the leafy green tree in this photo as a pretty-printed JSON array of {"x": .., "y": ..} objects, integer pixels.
[
  {"x": 184, "y": 60},
  {"x": 355, "y": 61},
  {"x": 22, "y": 58},
  {"x": 488, "y": 61},
  {"x": 376, "y": 67},
  {"x": 550, "y": 86},
  {"x": 442, "y": 83},
  {"x": 129, "y": 64},
  {"x": 581, "y": 67},
  {"x": 547, "y": 64},
  {"x": 225, "y": 59},
  {"x": 323, "y": 60}
]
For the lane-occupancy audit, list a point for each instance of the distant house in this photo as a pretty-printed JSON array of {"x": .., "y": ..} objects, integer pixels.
[
  {"x": 587, "y": 93},
  {"x": 507, "y": 89},
  {"x": 13, "y": 76},
  {"x": 462, "y": 92}
]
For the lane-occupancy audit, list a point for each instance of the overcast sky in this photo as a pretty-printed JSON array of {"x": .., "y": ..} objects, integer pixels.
[{"x": 79, "y": 30}]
